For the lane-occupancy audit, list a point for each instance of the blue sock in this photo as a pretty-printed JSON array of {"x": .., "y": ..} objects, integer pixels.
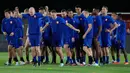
[
  {"x": 126, "y": 60},
  {"x": 84, "y": 58},
  {"x": 71, "y": 61},
  {"x": 42, "y": 58},
  {"x": 104, "y": 59},
  {"x": 96, "y": 61},
  {"x": 47, "y": 59},
  {"x": 74, "y": 60},
  {"x": 107, "y": 59},
  {"x": 68, "y": 58},
  {"x": 118, "y": 60},
  {"x": 39, "y": 59},
  {"x": 34, "y": 59}
]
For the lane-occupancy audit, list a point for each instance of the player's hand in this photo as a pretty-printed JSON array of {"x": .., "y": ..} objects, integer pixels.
[
  {"x": 84, "y": 36},
  {"x": 73, "y": 39},
  {"x": 5, "y": 33},
  {"x": 108, "y": 30},
  {"x": 11, "y": 34},
  {"x": 78, "y": 30},
  {"x": 41, "y": 29}
]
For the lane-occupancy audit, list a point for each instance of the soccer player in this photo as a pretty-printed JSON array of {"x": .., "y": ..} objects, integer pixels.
[
  {"x": 80, "y": 54},
  {"x": 106, "y": 31},
  {"x": 19, "y": 37},
  {"x": 8, "y": 29},
  {"x": 88, "y": 35},
  {"x": 121, "y": 39},
  {"x": 42, "y": 11},
  {"x": 26, "y": 40},
  {"x": 97, "y": 28},
  {"x": 57, "y": 24},
  {"x": 66, "y": 37},
  {"x": 114, "y": 37},
  {"x": 34, "y": 33},
  {"x": 46, "y": 39},
  {"x": 71, "y": 34}
]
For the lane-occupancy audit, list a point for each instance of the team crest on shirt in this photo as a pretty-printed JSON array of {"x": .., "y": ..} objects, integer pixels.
[
  {"x": 105, "y": 19},
  {"x": 57, "y": 22},
  {"x": 119, "y": 24},
  {"x": 34, "y": 16},
  {"x": 11, "y": 22},
  {"x": 74, "y": 21}
]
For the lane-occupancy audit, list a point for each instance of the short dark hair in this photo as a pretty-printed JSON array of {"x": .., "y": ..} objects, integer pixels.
[
  {"x": 41, "y": 8},
  {"x": 86, "y": 10},
  {"x": 77, "y": 6},
  {"x": 105, "y": 7},
  {"x": 7, "y": 10},
  {"x": 53, "y": 11},
  {"x": 63, "y": 10},
  {"x": 114, "y": 13},
  {"x": 97, "y": 8},
  {"x": 69, "y": 10}
]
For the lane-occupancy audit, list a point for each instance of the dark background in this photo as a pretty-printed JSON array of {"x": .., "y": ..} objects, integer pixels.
[{"x": 113, "y": 5}]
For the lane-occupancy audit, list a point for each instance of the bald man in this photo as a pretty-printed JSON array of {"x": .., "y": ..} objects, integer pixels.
[{"x": 34, "y": 33}]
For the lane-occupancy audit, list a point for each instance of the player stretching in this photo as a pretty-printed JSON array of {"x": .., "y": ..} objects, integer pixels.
[
  {"x": 34, "y": 33},
  {"x": 106, "y": 31}
]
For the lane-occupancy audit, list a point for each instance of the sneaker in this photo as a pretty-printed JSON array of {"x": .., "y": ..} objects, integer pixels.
[
  {"x": 7, "y": 63},
  {"x": 17, "y": 64},
  {"x": 84, "y": 63},
  {"x": 116, "y": 63},
  {"x": 126, "y": 63},
  {"x": 77, "y": 63},
  {"x": 62, "y": 64},
  {"x": 22, "y": 63},
  {"x": 95, "y": 64}
]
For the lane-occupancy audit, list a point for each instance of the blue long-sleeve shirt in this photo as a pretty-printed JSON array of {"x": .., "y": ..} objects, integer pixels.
[
  {"x": 8, "y": 25},
  {"x": 34, "y": 26}
]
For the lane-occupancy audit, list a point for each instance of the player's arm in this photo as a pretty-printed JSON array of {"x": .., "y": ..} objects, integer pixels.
[
  {"x": 72, "y": 27},
  {"x": 3, "y": 29},
  {"x": 88, "y": 30},
  {"x": 99, "y": 22},
  {"x": 42, "y": 28},
  {"x": 115, "y": 25},
  {"x": 14, "y": 27}
]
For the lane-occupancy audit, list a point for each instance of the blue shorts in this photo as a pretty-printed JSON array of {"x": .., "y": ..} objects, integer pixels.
[
  {"x": 72, "y": 45},
  {"x": 10, "y": 40},
  {"x": 122, "y": 44},
  {"x": 87, "y": 42},
  {"x": 18, "y": 43},
  {"x": 47, "y": 41},
  {"x": 34, "y": 40},
  {"x": 114, "y": 42},
  {"x": 106, "y": 40},
  {"x": 66, "y": 40}
]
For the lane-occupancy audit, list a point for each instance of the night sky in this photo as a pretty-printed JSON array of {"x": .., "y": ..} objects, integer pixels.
[{"x": 117, "y": 6}]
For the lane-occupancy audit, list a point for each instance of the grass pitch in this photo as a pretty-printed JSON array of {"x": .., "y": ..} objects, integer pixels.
[{"x": 49, "y": 68}]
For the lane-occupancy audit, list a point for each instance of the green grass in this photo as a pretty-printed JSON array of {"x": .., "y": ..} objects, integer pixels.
[{"x": 66, "y": 69}]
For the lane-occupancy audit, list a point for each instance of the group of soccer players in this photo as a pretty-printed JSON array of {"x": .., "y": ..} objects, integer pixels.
[{"x": 79, "y": 34}]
